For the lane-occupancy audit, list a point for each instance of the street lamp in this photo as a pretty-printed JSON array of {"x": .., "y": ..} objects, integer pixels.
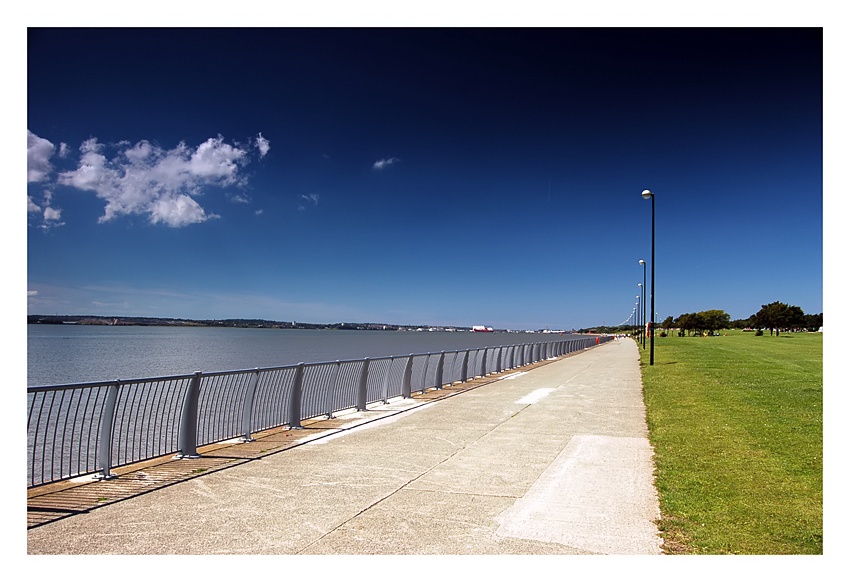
[
  {"x": 642, "y": 316},
  {"x": 643, "y": 290},
  {"x": 638, "y": 317},
  {"x": 634, "y": 319},
  {"x": 647, "y": 194}
]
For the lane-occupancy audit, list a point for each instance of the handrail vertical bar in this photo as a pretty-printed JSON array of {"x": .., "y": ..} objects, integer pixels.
[
  {"x": 248, "y": 406},
  {"x": 405, "y": 381},
  {"x": 386, "y": 386},
  {"x": 187, "y": 438},
  {"x": 329, "y": 402},
  {"x": 464, "y": 367},
  {"x": 484, "y": 364},
  {"x": 106, "y": 423},
  {"x": 295, "y": 397},
  {"x": 425, "y": 372},
  {"x": 361, "y": 387},
  {"x": 438, "y": 377}
]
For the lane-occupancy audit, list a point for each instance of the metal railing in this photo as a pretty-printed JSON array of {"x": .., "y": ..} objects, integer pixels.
[{"x": 94, "y": 427}]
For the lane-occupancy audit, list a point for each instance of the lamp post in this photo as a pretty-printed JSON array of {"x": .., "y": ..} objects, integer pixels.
[
  {"x": 642, "y": 316},
  {"x": 643, "y": 291},
  {"x": 634, "y": 316},
  {"x": 647, "y": 194},
  {"x": 637, "y": 317}
]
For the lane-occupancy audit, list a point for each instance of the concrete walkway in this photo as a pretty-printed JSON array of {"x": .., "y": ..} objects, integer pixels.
[{"x": 554, "y": 460}]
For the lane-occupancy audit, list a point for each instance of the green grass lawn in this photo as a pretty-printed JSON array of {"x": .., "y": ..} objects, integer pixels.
[{"x": 737, "y": 426}]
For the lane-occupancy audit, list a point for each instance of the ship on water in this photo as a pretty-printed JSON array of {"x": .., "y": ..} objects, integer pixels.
[{"x": 481, "y": 328}]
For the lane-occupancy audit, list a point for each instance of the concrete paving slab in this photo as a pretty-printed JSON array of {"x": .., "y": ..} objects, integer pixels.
[
  {"x": 593, "y": 497},
  {"x": 464, "y": 475}
]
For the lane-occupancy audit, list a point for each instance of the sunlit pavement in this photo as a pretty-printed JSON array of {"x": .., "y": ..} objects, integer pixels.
[{"x": 553, "y": 460}]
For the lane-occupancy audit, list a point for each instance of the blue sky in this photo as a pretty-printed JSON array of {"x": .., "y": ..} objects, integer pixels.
[{"x": 453, "y": 176}]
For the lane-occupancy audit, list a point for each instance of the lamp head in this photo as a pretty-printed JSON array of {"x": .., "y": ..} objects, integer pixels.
[
  {"x": 642, "y": 262},
  {"x": 646, "y": 194}
]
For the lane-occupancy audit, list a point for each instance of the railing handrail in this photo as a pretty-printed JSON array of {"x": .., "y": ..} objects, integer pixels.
[
  {"x": 91, "y": 427},
  {"x": 245, "y": 370}
]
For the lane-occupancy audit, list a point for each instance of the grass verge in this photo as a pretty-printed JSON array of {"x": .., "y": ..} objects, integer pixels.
[{"x": 737, "y": 426}]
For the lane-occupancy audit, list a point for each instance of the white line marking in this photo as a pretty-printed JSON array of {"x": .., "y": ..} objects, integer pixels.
[
  {"x": 514, "y": 375},
  {"x": 342, "y": 432},
  {"x": 536, "y": 396}
]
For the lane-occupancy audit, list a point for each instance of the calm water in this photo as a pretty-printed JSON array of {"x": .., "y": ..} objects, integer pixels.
[{"x": 62, "y": 354}]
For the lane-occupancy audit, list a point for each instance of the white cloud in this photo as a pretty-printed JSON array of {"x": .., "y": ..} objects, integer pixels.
[
  {"x": 215, "y": 160},
  {"x": 148, "y": 180},
  {"x": 178, "y": 210},
  {"x": 39, "y": 152},
  {"x": 52, "y": 214},
  {"x": 262, "y": 145},
  {"x": 51, "y": 217},
  {"x": 312, "y": 198},
  {"x": 385, "y": 162}
]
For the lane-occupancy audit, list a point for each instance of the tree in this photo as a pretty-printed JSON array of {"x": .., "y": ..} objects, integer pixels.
[
  {"x": 777, "y": 316},
  {"x": 715, "y": 319},
  {"x": 742, "y": 323},
  {"x": 667, "y": 323},
  {"x": 813, "y": 322},
  {"x": 688, "y": 322},
  {"x": 710, "y": 320}
]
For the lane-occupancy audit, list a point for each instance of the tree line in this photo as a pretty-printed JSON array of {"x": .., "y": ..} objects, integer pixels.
[{"x": 776, "y": 317}]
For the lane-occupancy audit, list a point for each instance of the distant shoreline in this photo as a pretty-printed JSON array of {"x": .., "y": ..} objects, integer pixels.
[{"x": 246, "y": 323}]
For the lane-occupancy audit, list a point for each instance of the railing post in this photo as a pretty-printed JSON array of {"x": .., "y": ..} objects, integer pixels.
[
  {"x": 499, "y": 360},
  {"x": 438, "y": 377},
  {"x": 248, "y": 406},
  {"x": 484, "y": 364},
  {"x": 453, "y": 368},
  {"x": 405, "y": 379},
  {"x": 295, "y": 398},
  {"x": 361, "y": 387},
  {"x": 187, "y": 438},
  {"x": 464, "y": 367},
  {"x": 106, "y": 422}
]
